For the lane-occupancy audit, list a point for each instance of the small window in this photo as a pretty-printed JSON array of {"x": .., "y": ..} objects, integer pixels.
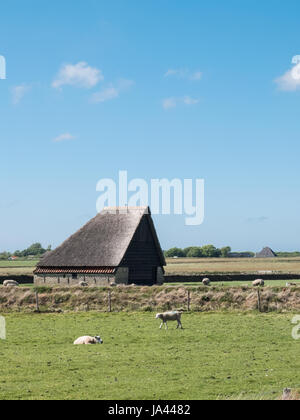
[{"x": 74, "y": 276}]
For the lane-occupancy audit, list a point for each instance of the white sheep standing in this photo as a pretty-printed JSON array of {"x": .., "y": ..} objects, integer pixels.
[
  {"x": 258, "y": 282},
  {"x": 170, "y": 316},
  {"x": 206, "y": 282},
  {"x": 88, "y": 340},
  {"x": 10, "y": 283}
]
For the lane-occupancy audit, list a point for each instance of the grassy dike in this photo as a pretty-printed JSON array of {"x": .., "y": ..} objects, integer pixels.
[{"x": 149, "y": 299}]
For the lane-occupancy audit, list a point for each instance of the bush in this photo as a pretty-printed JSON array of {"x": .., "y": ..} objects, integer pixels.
[
  {"x": 193, "y": 252},
  {"x": 174, "y": 252}
]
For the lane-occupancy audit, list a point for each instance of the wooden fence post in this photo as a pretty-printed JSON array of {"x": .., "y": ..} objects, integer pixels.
[
  {"x": 258, "y": 300},
  {"x": 189, "y": 301},
  {"x": 109, "y": 301},
  {"x": 37, "y": 301}
]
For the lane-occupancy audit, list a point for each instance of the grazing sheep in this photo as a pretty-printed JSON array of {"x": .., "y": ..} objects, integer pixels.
[
  {"x": 206, "y": 282},
  {"x": 170, "y": 316},
  {"x": 258, "y": 283},
  {"x": 290, "y": 284},
  {"x": 83, "y": 284},
  {"x": 287, "y": 394},
  {"x": 10, "y": 283},
  {"x": 88, "y": 340},
  {"x": 113, "y": 284}
]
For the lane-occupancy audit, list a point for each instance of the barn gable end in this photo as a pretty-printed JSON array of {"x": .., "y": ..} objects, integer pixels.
[{"x": 143, "y": 255}]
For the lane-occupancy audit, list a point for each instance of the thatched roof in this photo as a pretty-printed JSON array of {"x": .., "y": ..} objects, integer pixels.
[
  {"x": 103, "y": 241},
  {"x": 266, "y": 253}
]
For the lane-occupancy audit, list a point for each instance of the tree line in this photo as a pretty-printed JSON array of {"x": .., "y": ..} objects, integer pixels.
[
  {"x": 35, "y": 250},
  {"x": 206, "y": 251}
]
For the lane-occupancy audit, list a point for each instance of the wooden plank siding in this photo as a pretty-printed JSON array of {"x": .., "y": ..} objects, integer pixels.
[{"x": 142, "y": 257}]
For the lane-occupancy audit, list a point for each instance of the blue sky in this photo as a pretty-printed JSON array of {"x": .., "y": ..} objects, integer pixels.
[{"x": 162, "y": 89}]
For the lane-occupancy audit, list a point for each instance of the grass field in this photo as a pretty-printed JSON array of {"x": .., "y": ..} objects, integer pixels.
[
  {"x": 232, "y": 265},
  {"x": 17, "y": 268},
  {"x": 268, "y": 283},
  {"x": 189, "y": 266},
  {"x": 18, "y": 263},
  {"x": 216, "y": 356}
]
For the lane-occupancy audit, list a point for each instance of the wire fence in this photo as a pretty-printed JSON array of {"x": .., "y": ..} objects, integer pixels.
[{"x": 151, "y": 299}]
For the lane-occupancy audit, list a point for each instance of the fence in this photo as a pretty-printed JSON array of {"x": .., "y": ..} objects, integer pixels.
[{"x": 118, "y": 299}]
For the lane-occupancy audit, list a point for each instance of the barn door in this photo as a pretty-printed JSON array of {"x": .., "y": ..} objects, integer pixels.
[{"x": 143, "y": 275}]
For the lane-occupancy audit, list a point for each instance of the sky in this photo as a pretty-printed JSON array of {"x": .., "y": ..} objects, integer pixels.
[{"x": 161, "y": 89}]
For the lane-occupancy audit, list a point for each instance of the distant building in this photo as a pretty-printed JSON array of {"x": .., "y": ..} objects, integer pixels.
[
  {"x": 13, "y": 258},
  {"x": 119, "y": 245},
  {"x": 266, "y": 253},
  {"x": 240, "y": 255}
]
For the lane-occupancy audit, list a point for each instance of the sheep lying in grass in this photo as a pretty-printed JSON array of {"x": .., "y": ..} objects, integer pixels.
[
  {"x": 170, "y": 316},
  {"x": 83, "y": 284},
  {"x": 206, "y": 282},
  {"x": 10, "y": 283},
  {"x": 258, "y": 283},
  {"x": 88, "y": 340}
]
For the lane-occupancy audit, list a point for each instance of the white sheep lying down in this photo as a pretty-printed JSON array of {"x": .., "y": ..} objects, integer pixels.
[
  {"x": 10, "y": 283},
  {"x": 88, "y": 340},
  {"x": 170, "y": 316}
]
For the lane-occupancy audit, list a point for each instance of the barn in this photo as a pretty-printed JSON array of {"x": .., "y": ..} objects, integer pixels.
[
  {"x": 119, "y": 245},
  {"x": 266, "y": 253}
]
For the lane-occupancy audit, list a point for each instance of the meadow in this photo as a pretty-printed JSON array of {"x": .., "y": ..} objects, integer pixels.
[
  {"x": 188, "y": 266},
  {"x": 216, "y": 356},
  {"x": 17, "y": 268},
  {"x": 232, "y": 265}
]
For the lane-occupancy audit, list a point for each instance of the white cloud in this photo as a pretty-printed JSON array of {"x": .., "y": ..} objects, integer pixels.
[
  {"x": 169, "y": 103},
  {"x": 188, "y": 100},
  {"x": 290, "y": 81},
  {"x": 80, "y": 75},
  {"x": 18, "y": 92},
  {"x": 105, "y": 94},
  {"x": 184, "y": 74},
  {"x": 196, "y": 76},
  {"x": 112, "y": 91},
  {"x": 180, "y": 73},
  {"x": 172, "y": 102},
  {"x": 64, "y": 137}
]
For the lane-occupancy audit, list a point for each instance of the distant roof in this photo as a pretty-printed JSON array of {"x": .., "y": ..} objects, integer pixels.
[
  {"x": 103, "y": 241},
  {"x": 266, "y": 253}
]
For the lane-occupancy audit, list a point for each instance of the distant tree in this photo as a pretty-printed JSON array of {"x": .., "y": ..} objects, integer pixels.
[
  {"x": 34, "y": 249},
  {"x": 5, "y": 255},
  {"x": 225, "y": 251},
  {"x": 193, "y": 252},
  {"x": 174, "y": 252},
  {"x": 288, "y": 254},
  {"x": 210, "y": 251},
  {"x": 187, "y": 250}
]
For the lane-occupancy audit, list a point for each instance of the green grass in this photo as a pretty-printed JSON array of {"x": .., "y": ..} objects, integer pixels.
[
  {"x": 215, "y": 356},
  {"x": 17, "y": 268},
  {"x": 270, "y": 283},
  {"x": 206, "y": 266},
  {"x": 18, "y": 263}
]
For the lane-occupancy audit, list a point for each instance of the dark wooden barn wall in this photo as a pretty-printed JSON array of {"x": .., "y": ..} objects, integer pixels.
[{"x": 142, "y": 256}]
